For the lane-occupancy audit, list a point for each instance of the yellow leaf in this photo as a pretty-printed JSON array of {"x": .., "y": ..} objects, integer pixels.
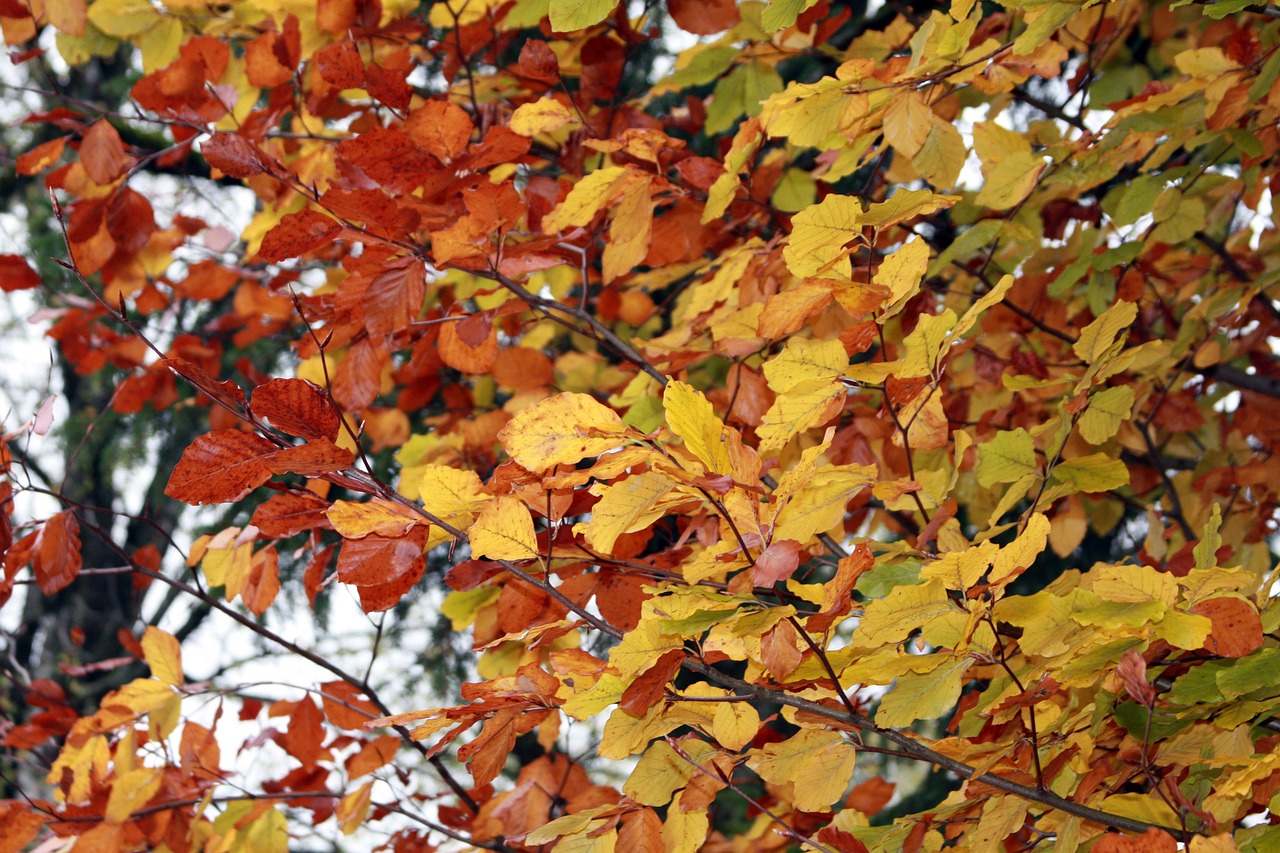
[
  {"x": 736, "y": 724},
  {"x": 358, "y": 519},
  {"x": 820, "y": 504},
  {"x": 807, "y": 405},
  {"x": 819, "y": 763},
  {"x": 818, "y": 234},
  {"x": 1097, "y": 337},
  {"x": 130, "y": 792},
  {"x": 86, "y": 763},
  {"x": 942, "y": 155},
  {"x": 684, "y": 831},
  {"x": 569, "y": 15},
  {"x": 163, "y": 654},
  {"x": 585, "y": 200},
  {"x": 631, "y": 229},
  {"x": 123, "y": 18},
  {"x": 690, "y": 416},
  {"x": 926, "y": 347},
  {"x": 1133, "y": 583},
  {"x": 1010, "y": 180},
  {"x": 606, "y": 691},
  {"x": 353, "y": 808},
  {"x": 962, "y": 569},
  {"x": 904, "y": 205},
  {"x": 889, "y": 619},
  {"x": 642, "y": 646},
  {"x": 1204, "y": 62},
  {"x": 560, "y": 430},
  {"x": 923, "y": 695},
  {"x": 1019, "y": 554},
  {"x": 448, "y": 492},
  {"x": 627, "y": 506},
  {"x": 902, "y": 273},
  {"x": 907, "y": 122},
  {"x": 542, "y": 116},
  {"x": 805, "y": 360},
  {"x": 504, "y": 531},
  {"x": 659, "y": 773}
]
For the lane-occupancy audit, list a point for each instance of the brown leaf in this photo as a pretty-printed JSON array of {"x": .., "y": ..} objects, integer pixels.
[
  {"x": 340, "y": 64},
  {"x": 379, "y": 560},
  {"x": 870, "y": 796},
  {"x": 538, "y": 61},
  {"x": 298, "y": 407},
  {"x": 358, "y": 378},
  {"x": 647, "y": 690},
  {"x": 56, "y": 560},
  {"x": 1237, "y": 629},
  {"x": 394, "y": 297},
  {"x": 291, "y": 513},
  {"x": 221, "y": 467},
  {"x": 233, "y": 155},
  {"x": 778, "y": 650}
]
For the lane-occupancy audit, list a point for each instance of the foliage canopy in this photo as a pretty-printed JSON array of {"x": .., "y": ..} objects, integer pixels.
[{"x": 848, "y": 390}]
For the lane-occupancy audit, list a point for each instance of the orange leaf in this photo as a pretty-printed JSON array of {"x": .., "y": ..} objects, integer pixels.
[
  {"x": 19, "y": 825},
  {"x": 373, "y": 756},
  {"x": 290, "y": 513},
  {"x": 345, "y": 706},
  {"x": 263, "y": 583},
  {"x": 41, "y": 157},
  {"x": 312, "y": 459},
  {"x": 56, "y": 560},
  {"x": 776, "y": 563},
  {"x": 102, "y": 153},
  {"x": 1237, "y": 629},
  {"x": 704, "y": 17},
  {"x": 1151, "y": 841},
  {"x": 17, "y": 274},
  {"x": 379, "y": 560},
  {"x": 221, "y": 467},
  {"x": 440, "y": 128}
]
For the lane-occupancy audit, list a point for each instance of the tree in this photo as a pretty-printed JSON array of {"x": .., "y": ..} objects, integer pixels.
[{"x": 843, "y": 394}]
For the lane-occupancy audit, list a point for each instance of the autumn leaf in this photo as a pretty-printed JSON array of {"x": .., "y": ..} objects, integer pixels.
[
  {"x": 504, "y": 531},
  {"x": 562, "y": 429},
  {"x": 221, "y": 467}
]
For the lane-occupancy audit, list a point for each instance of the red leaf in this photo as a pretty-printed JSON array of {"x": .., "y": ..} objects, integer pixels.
[
  {"x": 17, "y": 274},
  {"x": 312, "y": 459},
  {"x": 291, "y": 513},
  {"x": 297, "y": 234},
  {"x": 298, "y": 407},
  {"x": 538, "y": 61},
  {"x": 57, "y": 560},
  {"x": 102, "y": 153},
  {"x": 340, "y": 64},
  {"x": 233, "y": 155},
  {"x": 776, "y": 563},
  {"x": 704, "y": 17},
  {"x": 221, "y": 467}
]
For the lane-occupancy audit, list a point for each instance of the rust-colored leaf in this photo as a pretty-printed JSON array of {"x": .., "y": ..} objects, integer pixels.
[
  {"x": 221, "y": 467},
  {"x": 17, "y": 274},
  {"x": 102, "y": 153},
  {"x": 233, "y": 155},
  {"x": 56, "y": 560},
  {"x": 298, "y": 407},
  {"x": 704, "y": 17},
  {"x": 297, "y": 234}
]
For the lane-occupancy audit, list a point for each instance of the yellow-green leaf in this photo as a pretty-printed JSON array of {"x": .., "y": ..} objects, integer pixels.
[
  {"x": 923, "y": 695},
  {"x": 1096, "y": 472},
  {"x": 889, "y": 619},
  {"x": 1009, "y": 456},
  {"x": 1108, "y": 409},
  {"x": 1097, "y": 337},
  {"x": 569, "y": 15},
  {"x": 1010, "y": 180}
]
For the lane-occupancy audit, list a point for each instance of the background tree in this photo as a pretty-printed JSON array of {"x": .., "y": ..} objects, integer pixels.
[{"x": 855, "y": 390}]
